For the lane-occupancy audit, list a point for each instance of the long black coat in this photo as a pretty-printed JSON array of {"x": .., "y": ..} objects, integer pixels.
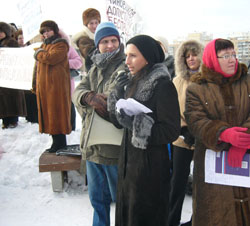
[
  {"x": 12, "y": 101},
  {"x": 143, "y": 174}
]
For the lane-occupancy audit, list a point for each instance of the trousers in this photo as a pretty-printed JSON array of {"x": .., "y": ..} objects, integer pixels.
[{"x": 102, "y": 182}]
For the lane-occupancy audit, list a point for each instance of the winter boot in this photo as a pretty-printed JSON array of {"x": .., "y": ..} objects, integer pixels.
[{"x": 59, "y": 141}]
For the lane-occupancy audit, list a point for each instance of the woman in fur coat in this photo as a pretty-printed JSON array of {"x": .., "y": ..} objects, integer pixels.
[
  {"x": 188, "y": 61},
  {"x": 218, "y": 115},
  {"x": 143, "y": 169},
  {"x": 53, "y": 85}
]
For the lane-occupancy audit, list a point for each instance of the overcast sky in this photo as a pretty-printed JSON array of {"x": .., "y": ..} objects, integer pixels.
[{"x": 173, "y": 19}]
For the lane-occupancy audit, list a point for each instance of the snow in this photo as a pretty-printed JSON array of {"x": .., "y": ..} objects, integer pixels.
[{"x": 26, "y": 196}]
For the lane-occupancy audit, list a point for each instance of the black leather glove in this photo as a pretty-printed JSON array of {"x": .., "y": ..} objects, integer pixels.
[
  {"x": 121, "y": 81},
  {"x": 98, "y": 101},
  {"x": 125, "y": 120},
  {"x": 188, "y": 138}
]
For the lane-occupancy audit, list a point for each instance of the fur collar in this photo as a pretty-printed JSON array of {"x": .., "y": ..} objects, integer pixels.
[
  {"x": 207, "y": 75},
  {"x": 146, "y": 85},
  {"x": 54, "y": 39}
]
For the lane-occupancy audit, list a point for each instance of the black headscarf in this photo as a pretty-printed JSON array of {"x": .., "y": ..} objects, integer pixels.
[{"x": 149, "y": 48}]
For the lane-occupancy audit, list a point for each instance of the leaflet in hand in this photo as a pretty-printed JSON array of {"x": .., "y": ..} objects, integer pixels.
[{"x": 131, "y": 107}]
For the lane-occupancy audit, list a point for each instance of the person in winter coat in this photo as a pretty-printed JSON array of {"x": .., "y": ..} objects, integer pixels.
[
  {"x": 188, "y": 60},
  {"x": 30, "y": 97},
  {"x": 144, "y": 175},
  {"x": 84, "y": 39},
  {"x": 91, "y": 95},
  {"x": 75, "y": 63},
  {"x": 218, "y": 115},
  {"x": 169, "y": 60},
  {"x": 53, "y": 85},
  {"x": 12, "y": 101}
]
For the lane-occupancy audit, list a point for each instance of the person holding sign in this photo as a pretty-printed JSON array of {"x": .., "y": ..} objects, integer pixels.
[
  {"x": 144, "y": 174},
  {"x": 12, "y": 101},
  {"x": 53, "y": 85},
  {"x": 91, "y": 95},
  {"x": 218, "y": 115}
]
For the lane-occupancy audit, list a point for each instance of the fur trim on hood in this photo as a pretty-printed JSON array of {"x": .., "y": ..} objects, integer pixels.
[
  {"x": 85, "y": 32},
  {"x": 181, "y": 68}
]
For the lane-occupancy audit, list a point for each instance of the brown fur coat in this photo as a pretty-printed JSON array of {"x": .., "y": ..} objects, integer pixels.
[{"x": 213, "y": 104}]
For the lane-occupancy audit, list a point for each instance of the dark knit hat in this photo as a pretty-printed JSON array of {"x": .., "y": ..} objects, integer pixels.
[
  {"x": 149, "y": 48},
  {"x": 6, "y": 28},
  {"x": 90, "y": 14},
  {"x": 105, "y": 29},
  {"x": 49, "y": 24}
]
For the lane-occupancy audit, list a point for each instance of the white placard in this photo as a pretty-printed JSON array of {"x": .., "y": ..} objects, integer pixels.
[
  {"x": 31, "y": 16},
  {"x": 16, "y": 67},
  {"x": 125, "y": 18}
]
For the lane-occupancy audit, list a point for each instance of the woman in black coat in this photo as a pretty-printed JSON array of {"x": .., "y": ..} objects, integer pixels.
[{"x": 143, "y": 169}]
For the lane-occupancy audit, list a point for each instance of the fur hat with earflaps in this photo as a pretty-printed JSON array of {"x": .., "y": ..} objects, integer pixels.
[
  {"x": 49, "y": 24},
  {"x": 6, "y": 28},
  {"x": 90, "y": 14}
]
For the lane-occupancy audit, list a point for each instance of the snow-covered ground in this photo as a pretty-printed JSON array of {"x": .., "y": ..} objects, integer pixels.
[{"x": 26, "y": 196}]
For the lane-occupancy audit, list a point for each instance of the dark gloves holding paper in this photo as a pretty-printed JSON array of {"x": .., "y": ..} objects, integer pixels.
[
  {"x": 188, "y": 138},
  {"x": 125, "y": 120},
  {"x": 98, "y": 101},
  {"x": 121, "y": 81}
]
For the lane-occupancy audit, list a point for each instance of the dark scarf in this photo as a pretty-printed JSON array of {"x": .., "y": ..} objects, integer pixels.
[
  {"x": 51, "y": 39},
  {"x": 102, "y": 59}
]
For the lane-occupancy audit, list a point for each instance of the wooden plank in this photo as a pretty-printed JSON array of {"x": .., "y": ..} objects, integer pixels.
[{"x": 49, "y": 162}]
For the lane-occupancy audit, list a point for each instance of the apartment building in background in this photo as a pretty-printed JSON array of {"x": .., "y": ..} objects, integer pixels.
[{"x": 241, "y": 42}]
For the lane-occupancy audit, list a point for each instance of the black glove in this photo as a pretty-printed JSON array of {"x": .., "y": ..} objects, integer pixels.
[
  {"x": 125, "y": 120},
  {"x": 121, "y": 81},
  {"x": 188, "y": 138},
  {"x": 98, "y": 101}
]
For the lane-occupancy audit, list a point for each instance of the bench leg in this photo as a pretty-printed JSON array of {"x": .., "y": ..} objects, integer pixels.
[{"x": 57, "y": 179}]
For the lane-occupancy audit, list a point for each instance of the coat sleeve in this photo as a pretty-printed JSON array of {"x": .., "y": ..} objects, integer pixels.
[
  {"x": 166, "y": 128},
  {"x": 201, "y": 125},
  {"x": 55, "y": 54},
  {"x": 80, "y": 90}
]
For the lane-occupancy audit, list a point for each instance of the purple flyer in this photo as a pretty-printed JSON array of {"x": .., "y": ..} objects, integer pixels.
[{"x": 221, "y": 165}]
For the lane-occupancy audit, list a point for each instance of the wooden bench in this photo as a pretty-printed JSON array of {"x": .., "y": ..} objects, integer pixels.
[{"x": 58, "y": 166}]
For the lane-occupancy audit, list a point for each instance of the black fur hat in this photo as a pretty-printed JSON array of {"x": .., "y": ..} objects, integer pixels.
[
  {"x": 6, "y": 28},
  {"x": 49, "y": 24}
]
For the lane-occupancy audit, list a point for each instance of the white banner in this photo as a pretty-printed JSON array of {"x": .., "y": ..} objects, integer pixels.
[
  {"x": 16, "y": 67},
  {"x": 31, "y": 15},
  {"x": 125, "y": 18}
]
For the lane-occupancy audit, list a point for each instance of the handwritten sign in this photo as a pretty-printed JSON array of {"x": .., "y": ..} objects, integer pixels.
[
  {"x": 16, "y": 67},
  {"x": 125, "y": 18},
  {"x": 31, "y": 15}
]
